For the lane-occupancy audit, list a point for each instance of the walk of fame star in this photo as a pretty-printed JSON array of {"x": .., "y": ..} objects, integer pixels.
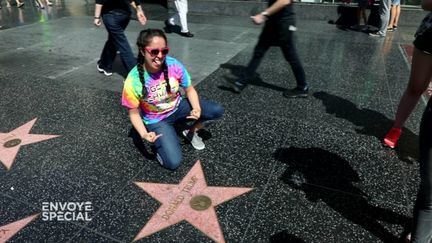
[
  {"x": 9, "y": 230},
  {"x": 11, "y": 142},
  {"x": 191, "y": 200}
]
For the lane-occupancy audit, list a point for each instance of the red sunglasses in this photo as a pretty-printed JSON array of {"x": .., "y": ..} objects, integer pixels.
[{"x": 155, "y": 51}]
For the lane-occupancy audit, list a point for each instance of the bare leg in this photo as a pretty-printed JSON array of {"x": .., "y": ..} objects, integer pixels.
[
  {"x": 393, "y": 16},
  {"x": 358, "y": 15},
  {"x": 421, "y": 72},
  {"x": 397, "y": 14},
  {"x": 364, "y": 15}
]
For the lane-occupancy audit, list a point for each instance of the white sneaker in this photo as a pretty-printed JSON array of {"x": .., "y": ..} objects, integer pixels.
[
  {"x": 101, "y": 70},
  {"x": 194, "y": 139}
]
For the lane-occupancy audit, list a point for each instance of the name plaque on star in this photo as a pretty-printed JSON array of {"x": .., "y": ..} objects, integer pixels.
[
  {"x": 12, "y": 143},
  {"x": 191, "y": 200},
  {"x": 200, "y": 202}
]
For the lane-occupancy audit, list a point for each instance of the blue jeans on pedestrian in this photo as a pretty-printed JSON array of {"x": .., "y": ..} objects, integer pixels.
[
  {"x": 116, "y": 23},
  {"x": 422, "y": 228},
  {"x": 384, "y": 12},
  {"x": 168, "y": 146}
]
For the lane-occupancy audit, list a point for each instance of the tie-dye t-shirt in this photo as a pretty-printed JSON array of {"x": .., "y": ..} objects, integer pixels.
[{"x": 158, "y": 104}]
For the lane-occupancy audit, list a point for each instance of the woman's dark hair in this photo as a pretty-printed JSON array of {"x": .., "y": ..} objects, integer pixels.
[{"x": 144, "y": 38}]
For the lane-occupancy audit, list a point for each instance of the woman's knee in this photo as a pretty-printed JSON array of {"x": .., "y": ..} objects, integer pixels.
[
  {"x": 217, "y": 111},
  {"x": 170, "y": 161}
]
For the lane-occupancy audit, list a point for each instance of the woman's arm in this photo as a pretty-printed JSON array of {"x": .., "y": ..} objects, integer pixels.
[
  {"x": 274, "y": 8},
  {"x": 139, "y": 12},
  {"x": 138, "y": 124},
  {"x": 192, "y": 96}
]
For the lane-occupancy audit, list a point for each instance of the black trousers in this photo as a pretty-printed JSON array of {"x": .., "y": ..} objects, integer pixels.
[
  {"x": 277, "y": 34},
  {"x": 422, "y": 228}
]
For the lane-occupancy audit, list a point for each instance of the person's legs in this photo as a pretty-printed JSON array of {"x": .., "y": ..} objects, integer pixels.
[
  {"x": 363, "y": 11},
  {"x": 167, "y": 146},
  {"x": 19, "y": 4},
  {"x": 107, "y": 56},
  {"x": 359, "y": 10},
  {"x": 290, "y": 53},
  {"x": 173, "y": 19},
  {"x": 420, "y": 77},
  {"x": 422, "y": 217},
  {"x": 209, "y": 111},
  {"x": 115, "y": 25},
  {"x": 182, "y": 10},
  {"x": 260, "y": 49},
  {"x": 392, "y": 18},
  {"x": 384, "y": 10},
  {"x": 39, "y": 4},
  {"x": 397, "y": 14}
]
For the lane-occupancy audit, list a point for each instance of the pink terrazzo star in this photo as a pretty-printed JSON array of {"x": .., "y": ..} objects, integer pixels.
[
  {"x": 191, "y": 200},
  {"x": 11, "y": 142},
  {"x": 9, "y": 230}
]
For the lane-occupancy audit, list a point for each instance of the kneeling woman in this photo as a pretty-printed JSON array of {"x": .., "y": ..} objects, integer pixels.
[{"x": 151, "y": 93}]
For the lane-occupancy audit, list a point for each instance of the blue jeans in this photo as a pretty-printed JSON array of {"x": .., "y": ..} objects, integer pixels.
[
  {"x": 167, "y": 146},
  {"x": 116, "y": 23},
  {"x": 422, "y": 228},
  {"x": 384, "y": 12}
]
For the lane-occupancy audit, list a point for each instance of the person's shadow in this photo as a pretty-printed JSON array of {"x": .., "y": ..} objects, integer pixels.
[
  {"x": 146, "y": 150},
  {"x": 370, "y": 123},
  {"x": 325, "y": 176},
  {"x": 237, "y": 72}
]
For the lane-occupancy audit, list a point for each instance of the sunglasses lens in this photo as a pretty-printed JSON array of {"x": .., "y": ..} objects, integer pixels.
[{"x": 154, "y": 52}]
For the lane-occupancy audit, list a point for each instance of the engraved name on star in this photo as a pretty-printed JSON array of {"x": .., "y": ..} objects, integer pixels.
[
  {"x": 190, "y": 200},
  {"x": 11, "y": 142}
]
